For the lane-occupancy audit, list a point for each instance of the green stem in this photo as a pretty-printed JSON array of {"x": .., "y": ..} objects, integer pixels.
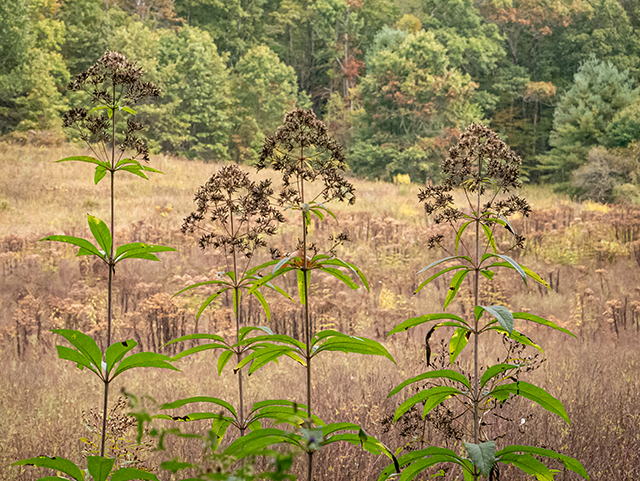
[
  {"x": 476, "y": 296},
  {"x": 237, "y": 297}
]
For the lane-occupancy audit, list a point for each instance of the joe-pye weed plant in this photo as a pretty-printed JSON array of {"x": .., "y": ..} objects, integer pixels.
[
  {"x": 488, "y": 173},
  {"x": 114, "y": 86}
]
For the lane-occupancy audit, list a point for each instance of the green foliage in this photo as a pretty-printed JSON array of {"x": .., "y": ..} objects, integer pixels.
[
  {"x": 98, "y": 467},
  {"x": 584, "y": 115}
]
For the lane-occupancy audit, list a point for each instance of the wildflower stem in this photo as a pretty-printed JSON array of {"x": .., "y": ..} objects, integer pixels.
[
  {"x": 238, "y": 303},
  {"x": 476, "y": 333}
]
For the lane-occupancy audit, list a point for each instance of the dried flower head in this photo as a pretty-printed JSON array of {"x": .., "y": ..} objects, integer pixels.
[
  {"x": 302, "y": 150},
  {"x": 114, "y": 84},
  {"x": 238, "y": 209}
]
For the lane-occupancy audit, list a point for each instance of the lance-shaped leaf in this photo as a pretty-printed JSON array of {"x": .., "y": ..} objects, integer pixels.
[
  {"x": 431, "y": 397},
  {"x": 223, "y": 359},
  {"x": 482, "y": 455},
  {"x": 57, "y": 463},
  {"x": 209, "y": 300},
  {"x": 458, "y": 342},
  {"x": 518, "y": 337},
  {"x": 421, "y": 459},
  {"x": 258, "y": 440},
  {"x": 140, "y": 250},
  {"x": 101, "y": 233},
  {"x": 336, "y": 341},
  {"x": 200, "y": 399},
  {"x": 115, "y": 352},
  {"x": 86, "y": 247},
  {"x": 144, "y": 359},
  {"x": 570, "y": 463},
  {"x": 417, "y": 321},
  {"x": 526, "y": 270},
  {"x": 490, "y": 238},
  {"x": 529, "y": 465},
  {"x": 86, "y": 159},
  {"x": 496, "y": 370},
  {"x": 99, "y": 174},
  {"x": 80, "y": 359},
  {"x": 341, "y": 276},
  {"x": 264, "y": 355},
  {"x": 461, "y": 230},
  {"x": 83, "y": 343},
  {"x": 129, "y": 474},
  {"x": 438, "y": 262},
  {"x": 533, "y": 393},
  {"x": 501, "y": 313},
  {"x": 510, "y": 264},
  {"x": 454, "y": 287},
  {"x": 99, "y": 468},
  {"x": 439, "y": 374},
  {"x": 438, "y": 274},
  {"x": 348, "y": 265},
  {"x": 541, "y": 320}
]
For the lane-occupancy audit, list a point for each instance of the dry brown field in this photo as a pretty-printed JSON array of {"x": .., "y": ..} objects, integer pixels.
[{"x": 590, "y": 253}]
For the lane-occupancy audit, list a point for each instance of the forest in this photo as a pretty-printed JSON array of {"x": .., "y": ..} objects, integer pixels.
[{"x": 396, "y": 81}]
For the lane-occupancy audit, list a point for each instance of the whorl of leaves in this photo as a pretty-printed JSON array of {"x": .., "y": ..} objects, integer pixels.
[
  {"x": 112, "y": 81},
  {"x": 302, "y": 150},
  {"x": 479, "y": 160},
  {"x": 238, "y": 210}
]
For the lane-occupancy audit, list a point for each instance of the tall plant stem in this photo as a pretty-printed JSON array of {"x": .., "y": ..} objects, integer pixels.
[
  {"x": 476, "y": 291},
  {"x": 236, "y": 290},
  {"x": 110, "y": 281},
  {"x": 307, "y": 325}
]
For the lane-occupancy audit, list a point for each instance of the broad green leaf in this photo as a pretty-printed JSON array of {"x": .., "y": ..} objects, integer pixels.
[
  {"x": 482, "y": 455},
  {"x": 200, "y": 348},
  {"x": 99, "y": 174},
  {"x": 200, "y": 399},
  {"x": 570, "y": 463},
  {"x": 80, "y": 359},
  {"x": 115, "y": 352},
  {"x": 256, "y": 441},
  {"x": 438, "y": 262},
  {"x": 529, "y": 465},
  {"x": 356, "y": 345},
  {"x": 269, "y": 352},
  {"x": 223, "y": 360},
  {"x": 515, "y": 265},
  {"x": 101, "y": 233},
  {"x": 495, "y": 370},
  {"x": 144, "y": 359},
  {"x": 442, "y": 373},
  {"x": 99, "y": 468},
  {"x": 533, "y": 393},
  {"x": 454, "y": 287},
  {"x": 415, "y": 457},
  {"x": 129, "y": 474},
  {"x": 423, "y": 396},
  {"x": 417, "y": 321},
  {"x": 130, "y": 250},
  {"x": 540, "y": 320},
  {"x": 458, "y": 342},
  {"x": 502, "y": 314},
  {"x": 83, "y": 343},
  {"x": 57, "y": 463},
  {"x": 88, "y": 247}
]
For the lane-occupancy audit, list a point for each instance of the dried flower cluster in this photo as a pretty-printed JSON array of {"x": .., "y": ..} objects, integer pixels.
[
  {"x": 238, "y": 208},
  {"x": 480, "y": 160},
  {"x": 114, "y": 83},
  {"x": 302, "y": 150}
]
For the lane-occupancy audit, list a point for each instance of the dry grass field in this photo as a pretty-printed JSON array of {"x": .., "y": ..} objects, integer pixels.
[{"x": 590, "y": 253}]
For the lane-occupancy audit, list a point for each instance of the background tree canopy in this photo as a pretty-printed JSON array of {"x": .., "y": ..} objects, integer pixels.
[{"x": 396, "y": 80}]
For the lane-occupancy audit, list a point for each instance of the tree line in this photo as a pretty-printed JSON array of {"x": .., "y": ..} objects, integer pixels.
[{"x": 396, "y": 81}]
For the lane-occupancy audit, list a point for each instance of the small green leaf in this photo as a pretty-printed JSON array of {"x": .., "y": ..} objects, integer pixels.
[
  {"x": 570, "y": 463},
  {"x": 461, "y": 230},
  {"x": 438, "y": 274},
  {"x": 438, "y": 262},
  {"x": 456, "y": 282},
  {"x": 129, "y": 110},
  {"x": 129, "y": 474},
  {"x": 489, "y": 234},
  {"x": 540, "y": 320},
  {"x": 223, "y": 360},
  {"x": 101, "y": 233},
  {"x": 502, "y": 314},
  {"x": 99, "y": 467},
  {"x": 458, "y": 342},
  {"x": 99, "y": 174},
  {"x": 529, "y": 465},
  {"x": 482, "y": 455},
  {"x": 88, "y": 247},
  {"x": 83, "y": 343},
  {"x": 80, "y": 359},
  {"x": 144, "y": 359},
  {"x": 440, "y": 392},
  {"x": 515, "y": 265},
  {"x": 495, "y": 370},
  {"x": 87, "y": 159},
  {"x": 57, "y": 463},
  {"x": 209, "y": 300},
  {"x": 200, "y": 399},
  {"x": 115, "y": 352},
  {"x": 417, "y": 321},
  {"x": 442, "y": 373}
]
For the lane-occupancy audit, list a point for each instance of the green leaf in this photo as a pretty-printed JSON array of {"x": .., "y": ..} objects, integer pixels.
[
  {"x": 83, "y": 343},
  {"x": 263, "y": 302},
  {"x": 302, "y": 293},
  {"x": 529, "y": 465},
  {"x": 151, "y": 169},
  {"x": 81, "y": 361},
  {"x": 540, "y": 320},
  {"x": 461, "y": 230},
  {"x": 570, "y": 463},
  {"x": 417, "y": 459},
  {"x": 223, "y": 360},
  {"x": 526, "y": 270},
  {"x": 129, "y": 110},
  {"x": 489, "y": 234},
  {"x": 144, "y": 359},
  {"x": 458, "y": 342},
  {"x": 533, "y": 393},
  {"x": 438, "y": 262},
  {"x": 514, "y": 265},
  {"x": 438, "y": 274},
  {"x": 256, "y": 441},
  {"x": 209, "y": 300},
  {"x": 87, "y": 159},
  {"x": 101, "y": 233},
  {"x": 341, "y": 276},
  {"x": 191, "y": 337},
  {"x": 482, "y": 455},
  {"x": 99, "y": 174},
  {"x": 348, "y": 265},
  {"x": 495, "y": 370},
  {"x": 417, "y": 321},
  {"x": 502, "y": 314},
  {"x": 358, "y": 345},
  {"x": 456, "y": 282},
  {"x": 129, "y": 474},
  {"x": 133, "y": 250},
  {"x": 440, "y": 392},
  {"x": 99, "y": 467},
  {"x": 59, "y": 464},
  {"x": 518, "y": 337},
  {"x": 200, "y": 399},
  {"x": 86, "y": 247},
  {"x": 442, "y": 373},
  {"x": 115, "y": 352}
]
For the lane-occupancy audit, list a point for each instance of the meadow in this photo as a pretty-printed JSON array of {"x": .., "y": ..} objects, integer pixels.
[{"x": 589, "y": 253}]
